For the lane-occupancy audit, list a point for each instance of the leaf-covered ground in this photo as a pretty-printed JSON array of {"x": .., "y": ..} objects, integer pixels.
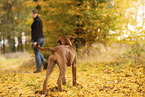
[{"x": 114, "y": 78}]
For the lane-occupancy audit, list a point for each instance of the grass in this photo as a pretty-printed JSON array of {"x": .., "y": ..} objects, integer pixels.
[{"x": 114, "y": 77}]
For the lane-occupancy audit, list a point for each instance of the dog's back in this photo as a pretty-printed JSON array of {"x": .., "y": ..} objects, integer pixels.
[{"x": 67, "y": 52}]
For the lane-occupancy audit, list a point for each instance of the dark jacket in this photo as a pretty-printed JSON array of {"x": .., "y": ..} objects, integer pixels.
[{"x": 37, "y": 29}]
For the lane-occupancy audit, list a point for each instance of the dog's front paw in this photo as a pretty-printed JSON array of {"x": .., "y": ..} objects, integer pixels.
[
  {"x": 78, "y": 85},
  {"x": 43, "y": 93},
  {"x": 75, "y": 84}
]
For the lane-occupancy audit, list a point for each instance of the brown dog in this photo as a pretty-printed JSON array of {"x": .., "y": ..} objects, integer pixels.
[{"x": 63, "y": 55}]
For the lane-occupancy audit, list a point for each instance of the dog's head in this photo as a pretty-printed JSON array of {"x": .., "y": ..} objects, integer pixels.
[{"x": 65, "y": 40}]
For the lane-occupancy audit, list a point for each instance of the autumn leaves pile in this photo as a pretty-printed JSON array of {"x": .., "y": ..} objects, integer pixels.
[{"x": 114, "y": 78}]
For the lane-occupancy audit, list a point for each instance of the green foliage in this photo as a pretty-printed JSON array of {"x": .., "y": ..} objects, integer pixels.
[
  {"x": 13, "y": 23},
  {"x": 90, "y": 20}
]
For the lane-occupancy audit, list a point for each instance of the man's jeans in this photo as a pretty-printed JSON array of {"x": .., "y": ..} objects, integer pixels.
[{"x": 38, "y": 56}]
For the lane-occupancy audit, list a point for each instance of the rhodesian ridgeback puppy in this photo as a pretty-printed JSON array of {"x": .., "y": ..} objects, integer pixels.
[{"x": 63, "y": 55}]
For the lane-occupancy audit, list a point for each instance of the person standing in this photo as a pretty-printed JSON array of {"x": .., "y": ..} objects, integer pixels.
[{"x": 37, "y": 37}]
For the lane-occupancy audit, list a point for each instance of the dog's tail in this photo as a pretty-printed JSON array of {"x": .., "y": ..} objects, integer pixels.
[{"x": 45, "y": 48}]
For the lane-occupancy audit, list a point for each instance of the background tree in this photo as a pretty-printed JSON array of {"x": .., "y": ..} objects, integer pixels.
[
  {"x": 88, "y": 20},
  {"x": 13, "y": 18}
]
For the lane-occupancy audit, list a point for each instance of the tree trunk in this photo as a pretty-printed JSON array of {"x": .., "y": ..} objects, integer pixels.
[
  {"x": 13, "y": 45},
  {"x": 3, "y": 46},
  {"x": 10, "y": 44},
  {"x": 20, "y": 45}
]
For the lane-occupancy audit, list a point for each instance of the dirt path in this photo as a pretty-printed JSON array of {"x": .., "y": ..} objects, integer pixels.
[{"x": 16, "y": 61}]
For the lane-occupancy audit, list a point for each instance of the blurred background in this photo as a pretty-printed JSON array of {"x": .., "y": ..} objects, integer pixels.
[
  {"x": 109, "y": 39},
  {"x": 92, "y": 22}
]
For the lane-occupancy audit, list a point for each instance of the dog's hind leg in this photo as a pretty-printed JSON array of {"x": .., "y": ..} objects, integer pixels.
[
  {"x": 62, "y": 67},
  {"x": 48, "y": 72},
  {"x": 74, "y": 72}
]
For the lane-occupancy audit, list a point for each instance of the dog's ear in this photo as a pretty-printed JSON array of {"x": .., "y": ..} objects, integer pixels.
[
  {"x": 58, "y": 41},
  {"x": 72, "y": 39}
]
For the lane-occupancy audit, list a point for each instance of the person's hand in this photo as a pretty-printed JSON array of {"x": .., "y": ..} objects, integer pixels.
[{"x": 34, "y": 45}]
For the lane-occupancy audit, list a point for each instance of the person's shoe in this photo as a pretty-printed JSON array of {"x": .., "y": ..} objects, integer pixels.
[
  {"x": 45, "y": 63},
  {"x": 38, "y": 70}
]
